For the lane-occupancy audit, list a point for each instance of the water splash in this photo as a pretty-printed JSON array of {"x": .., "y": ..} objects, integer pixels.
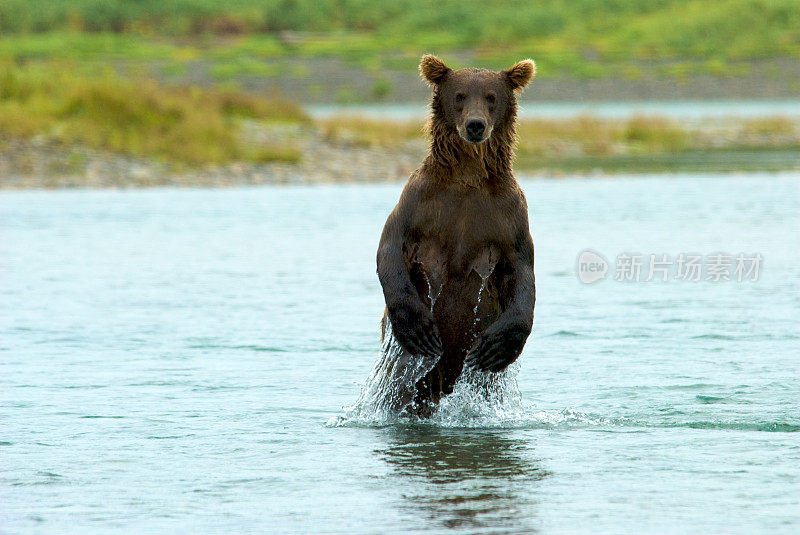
[
  {"x": 480, "y": 294},
  {"x": 431, "y": 296},
  {"x": 479, "y": 400},
  {"x": 477, "y": 320},
  {"x": 391, "y": 386}
]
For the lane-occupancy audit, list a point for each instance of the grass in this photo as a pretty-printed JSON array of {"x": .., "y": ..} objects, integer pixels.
[
  {"x": 190, "y": 125},
  {"x": 242, "y": 67},
  {"x": 640, "y": 143},
  {"x": 703, "y": 161},
  {"x": 74, "y": 107},
  {"x": 366, "y": 132},
  {"x": 583, "y": 38}
]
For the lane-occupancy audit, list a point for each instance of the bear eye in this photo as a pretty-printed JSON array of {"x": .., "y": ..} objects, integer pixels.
[
  {"x": 460, "y": 97},
  {"x": 490, "y": 98}
]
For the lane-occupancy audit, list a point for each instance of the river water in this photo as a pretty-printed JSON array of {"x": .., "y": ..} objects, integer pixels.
[
  {"x": 181, "y": 361},
  {"x": 692, "y": 110}
]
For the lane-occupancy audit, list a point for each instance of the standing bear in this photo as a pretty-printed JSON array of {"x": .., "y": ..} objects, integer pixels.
[{"x": 455, "y": 259}]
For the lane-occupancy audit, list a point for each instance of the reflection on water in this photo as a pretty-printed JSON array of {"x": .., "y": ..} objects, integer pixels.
[{"x": 464, "y": 479}]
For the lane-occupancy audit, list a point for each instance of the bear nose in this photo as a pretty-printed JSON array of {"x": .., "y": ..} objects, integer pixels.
[{"x": 475, "y": 128}]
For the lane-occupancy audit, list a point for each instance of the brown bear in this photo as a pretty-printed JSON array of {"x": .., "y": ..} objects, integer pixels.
[{"x": 455, "y": 259}]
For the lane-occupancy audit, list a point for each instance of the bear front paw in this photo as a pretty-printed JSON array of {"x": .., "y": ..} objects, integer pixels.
[
  {"x": 413, "y": 328},
  {"x": 497, "y": 347}
]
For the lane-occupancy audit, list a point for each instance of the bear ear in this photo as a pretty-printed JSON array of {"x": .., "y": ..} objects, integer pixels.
[
  {"x": 433, "y": 69},
  {"x": 520, "y": 74}
]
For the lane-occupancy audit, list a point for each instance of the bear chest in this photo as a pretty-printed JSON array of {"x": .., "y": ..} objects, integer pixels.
[{"x": 455, "y": 235}]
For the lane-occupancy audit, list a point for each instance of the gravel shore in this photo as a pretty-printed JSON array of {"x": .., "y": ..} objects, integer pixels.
[
  {"x": 39, "y": 164},
  {"x": 723, "y": 145}
]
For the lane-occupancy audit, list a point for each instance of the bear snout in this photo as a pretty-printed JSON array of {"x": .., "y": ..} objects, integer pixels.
[{"x": 475, "y": 129}]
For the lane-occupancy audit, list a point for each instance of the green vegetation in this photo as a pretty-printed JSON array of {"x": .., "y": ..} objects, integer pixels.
[
  {"x": 640, "y": 144},
  {"x": 366, "y": 132},
  {"x": 185, "y": 125},
  {"x": 688, "y": 161},
  {"x": 585, "y": 38},
  {"x": 82, "y": 73}
]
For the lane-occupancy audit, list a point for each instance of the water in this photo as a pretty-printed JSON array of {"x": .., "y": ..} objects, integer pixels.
[
  {"x": 171, "y": 360},
  {"x": 683, "y": 109}
]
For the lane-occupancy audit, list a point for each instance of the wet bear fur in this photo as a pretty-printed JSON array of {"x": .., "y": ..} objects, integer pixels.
[{"x": 455, "y": 259}]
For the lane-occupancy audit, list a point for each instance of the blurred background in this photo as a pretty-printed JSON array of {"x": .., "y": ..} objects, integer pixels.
[{"x": 119, "y": 93}]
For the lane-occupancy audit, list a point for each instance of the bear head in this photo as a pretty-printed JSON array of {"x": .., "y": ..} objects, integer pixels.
[{"x": 475, "y": 102}]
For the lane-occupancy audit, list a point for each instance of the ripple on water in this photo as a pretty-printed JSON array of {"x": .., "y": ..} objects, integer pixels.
[
  {"x": 711, "y": 399},
  {"x": 564, "y": 333}
]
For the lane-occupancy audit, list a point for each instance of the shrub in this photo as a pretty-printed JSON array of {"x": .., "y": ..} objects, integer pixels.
[{"x": 139, "y": 117}]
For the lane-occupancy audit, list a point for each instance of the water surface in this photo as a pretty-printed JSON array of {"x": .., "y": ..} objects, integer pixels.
[
  {"x": 171, "y": 360},
  {"x": 532, "y": 109}
]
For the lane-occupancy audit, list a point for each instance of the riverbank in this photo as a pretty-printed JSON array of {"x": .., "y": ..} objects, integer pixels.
[
  {"x": 60, "y": 128},
  {"x": 363, "y": 150},
  {"x": 42, "y": 164}
]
